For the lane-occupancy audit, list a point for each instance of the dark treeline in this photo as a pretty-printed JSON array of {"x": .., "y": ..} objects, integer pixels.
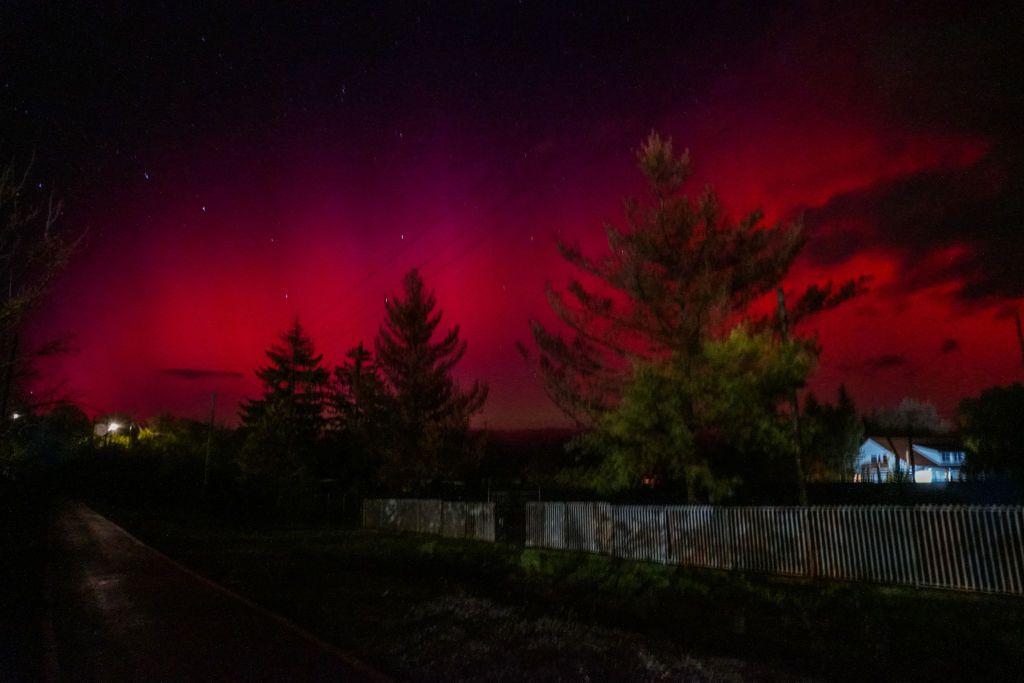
[{"x": 684, "y": 375}]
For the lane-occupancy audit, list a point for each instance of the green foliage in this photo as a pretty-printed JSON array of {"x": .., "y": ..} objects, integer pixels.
[
  {"x": 647, "y": 435},
  {"x": 431, "y": 412},
  {"x": 832, "y": 435},
  {"x": 679, "y": 274},
  {"x": 655, "y": 365},
  {"x": 705, "y": 422},
  {"x": 993, "y": 431}
]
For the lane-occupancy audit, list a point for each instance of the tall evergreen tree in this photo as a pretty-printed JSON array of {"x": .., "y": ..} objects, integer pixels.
[
  {"x": 360, "y": 398},
  {"x": 832, "y": 434},
  {"x": 286, "y": 421},
  {"x": 360, "y": 414},
  {"x": 674, "y": 285},
  {"x": 681, "y": 273},
  {"x": 432, "y": 412}
]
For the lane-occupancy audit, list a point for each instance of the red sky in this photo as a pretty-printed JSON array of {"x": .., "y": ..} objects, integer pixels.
[{"x": 201, "y": 253}]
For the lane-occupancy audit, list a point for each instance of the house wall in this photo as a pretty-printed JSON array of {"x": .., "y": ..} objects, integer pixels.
[{"x": 875, "y": 461}]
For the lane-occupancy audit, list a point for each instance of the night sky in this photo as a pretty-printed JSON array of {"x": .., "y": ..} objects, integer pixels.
[{"x": 237, "y": 167}]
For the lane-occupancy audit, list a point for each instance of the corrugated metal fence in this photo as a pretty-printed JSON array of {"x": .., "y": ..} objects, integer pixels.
[
  {"x": 975, "y": 548},
  {"x": 449, "y": 519}
]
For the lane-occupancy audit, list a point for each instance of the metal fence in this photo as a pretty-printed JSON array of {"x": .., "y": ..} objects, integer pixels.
[
  {"x": 965, "y": 547},
  {"x": 449, "y": 519}
]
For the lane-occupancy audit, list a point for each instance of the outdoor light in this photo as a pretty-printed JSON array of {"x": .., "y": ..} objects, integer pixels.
[
  {"x": 113, "y": 427},
  {"x": 15, "y": 416}
]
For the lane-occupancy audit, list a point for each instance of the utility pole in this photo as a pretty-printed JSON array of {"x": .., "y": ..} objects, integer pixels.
[
  {"x": 209, "y": 440},
  {"x": 794, "y": 404}
]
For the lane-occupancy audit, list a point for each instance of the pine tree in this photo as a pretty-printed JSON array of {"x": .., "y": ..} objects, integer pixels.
[
  {"x": 432, "y": 412},
  {"x": 680, "y": 274},
  {"x": 832, "y": 434},
  {"x": 675, "y": 285},
  {"x": 360, "y": 419},
  {"x": 359, "y": 399},
  {"x": 285, "y": 423}
]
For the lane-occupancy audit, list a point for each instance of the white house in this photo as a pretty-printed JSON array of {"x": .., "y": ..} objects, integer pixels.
[{"x": 934, "y": 460}]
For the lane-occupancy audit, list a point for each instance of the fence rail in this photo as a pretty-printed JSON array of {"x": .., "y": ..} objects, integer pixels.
[
  {"x": 967, "y": 547},
  {"x": 449, "y": 519}
]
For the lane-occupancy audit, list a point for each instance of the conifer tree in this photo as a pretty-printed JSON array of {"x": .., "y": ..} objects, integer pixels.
[
  {"x": 662, "y": 306},
  {"x": 431, "y": 412},
  {"x": 359, "y": 399},
  {"x": 833, "y": 434},
  {"x": 681, "y": 273},
  {"x": 286, "y": 421},
  {"x": 360, "y": 419}
]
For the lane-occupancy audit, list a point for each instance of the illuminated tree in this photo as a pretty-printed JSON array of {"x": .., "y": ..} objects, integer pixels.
[
  {"x": 431, "y": 412},
  {"x": 285, "y": 423},
  {"x": 663, "y": 434},
  {"x": 679, "y": 276}
]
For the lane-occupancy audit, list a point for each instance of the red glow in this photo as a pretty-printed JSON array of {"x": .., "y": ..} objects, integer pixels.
[{"x": 180, "y": 287}]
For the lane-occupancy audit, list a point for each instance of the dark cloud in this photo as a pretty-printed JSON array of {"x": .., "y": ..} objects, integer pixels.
[
  {"x": 975, "y": 215},
  {"x": 949, "y": 346},
  {"x": 886, "y": 361},
  {"x": 199, "y": 373},
  {"x": 945, "y": 70}
]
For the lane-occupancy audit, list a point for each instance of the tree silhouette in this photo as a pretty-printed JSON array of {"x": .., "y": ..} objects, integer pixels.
[
  {"x": 994, "y": 432},
  {"x": 360, "y": 419},
  {"x": 832, "y": 434},
  {"x": 32, "y": 251},
  {"x": 431, "y": 411},
  {"x": 286, "y": 421}
]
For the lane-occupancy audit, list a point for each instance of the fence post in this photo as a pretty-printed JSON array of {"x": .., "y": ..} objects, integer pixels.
[
  {"x": 811, "y": 543},
  {"x": 665, "y": 536}
]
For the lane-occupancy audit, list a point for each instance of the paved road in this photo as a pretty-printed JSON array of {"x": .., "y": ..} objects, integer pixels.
[{"x": 123, "y": 611}]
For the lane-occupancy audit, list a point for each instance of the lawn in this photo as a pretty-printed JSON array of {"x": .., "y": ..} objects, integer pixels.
[{"x": 422, "y": 607}]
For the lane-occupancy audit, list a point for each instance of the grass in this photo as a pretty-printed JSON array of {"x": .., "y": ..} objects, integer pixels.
[{"x": 423, "y": 607}]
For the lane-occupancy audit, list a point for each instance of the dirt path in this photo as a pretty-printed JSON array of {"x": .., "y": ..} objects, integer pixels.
[{"x": 123, "y": 611}]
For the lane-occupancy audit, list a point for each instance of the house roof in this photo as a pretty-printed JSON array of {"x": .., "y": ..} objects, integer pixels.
[{"x": 929, "y": 448}]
